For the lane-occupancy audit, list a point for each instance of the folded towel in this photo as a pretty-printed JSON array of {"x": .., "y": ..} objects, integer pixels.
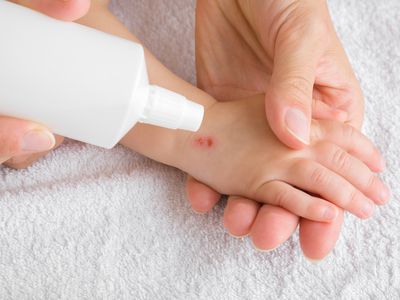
[{"x": 88, "y": 223}]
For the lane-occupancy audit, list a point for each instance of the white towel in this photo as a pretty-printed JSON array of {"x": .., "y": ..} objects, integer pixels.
[{"x": 87, "y": 223}]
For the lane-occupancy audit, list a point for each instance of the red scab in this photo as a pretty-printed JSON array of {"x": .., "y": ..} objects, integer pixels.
[{"x": 204, "y": 142}]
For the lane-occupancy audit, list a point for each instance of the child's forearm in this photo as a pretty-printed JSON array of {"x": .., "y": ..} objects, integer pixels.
[{"x": 157, "y": 143}]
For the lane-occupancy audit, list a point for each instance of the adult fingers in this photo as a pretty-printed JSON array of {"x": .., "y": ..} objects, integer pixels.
[
  {"x": 239, "y": 215},
  {"x": 201, "y": 197},
  {"x": 68, "y": 10},
  {"x": 289, "y": 95},
  {"x": 272, "y": 227},
  {"x": 19, "y": 137},
  {"x": 317, "y": 239},
  {"x": 24, "y": 161},
  {"x": 321, "y": 110}
]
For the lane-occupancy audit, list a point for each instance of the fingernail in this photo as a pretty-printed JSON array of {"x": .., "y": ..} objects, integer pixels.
[
  {"x": 198, "y": 212},
  {"x": 330, "y": 213},
  {"x": 37, "y": 141},
  {"x": 313, "y": 261},
  {"x": 382, "y": 164},
  {"x": 367, "y": 209},
  {"x": 264, "y": 250},
  {"x": 238, "y": 236},
  {"x": 385, "y": 195},
  {"x": 297, "y": 125}
]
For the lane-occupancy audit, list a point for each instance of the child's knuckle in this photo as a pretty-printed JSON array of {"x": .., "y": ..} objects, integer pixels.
[
  {"x": 300, "y": 165},
  {"x": 353, "y": 197},
  {"x": 348, "y": 132},
  {"x": 324, "y": 147},
  {"x": 341, "y": 159},
  {"x": 318, "y": 176},
  {"x": 282, "y": 197},
  {"x": 318, "y": 131},
  {"x": 370, "y": 183}
]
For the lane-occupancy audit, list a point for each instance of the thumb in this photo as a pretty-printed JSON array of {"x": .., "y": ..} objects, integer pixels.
[
  {"x": 20, "y": 137},
  {"x": 289, "y": 94},
  {"x": 68, "y": 10}
]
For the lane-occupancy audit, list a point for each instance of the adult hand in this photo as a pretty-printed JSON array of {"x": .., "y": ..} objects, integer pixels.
[
  {"x": 23, "y": 142},
  {"x": 67, "y": 10},
  {"x": 308, "y": 62},
  {"x": 290, "y": 51}
]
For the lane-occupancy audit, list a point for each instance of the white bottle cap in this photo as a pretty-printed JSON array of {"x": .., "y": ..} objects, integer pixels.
[{"x": 167, "y": 109}]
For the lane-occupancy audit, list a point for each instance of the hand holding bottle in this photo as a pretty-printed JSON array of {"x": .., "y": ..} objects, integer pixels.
[{"x": 22, "y": 142}]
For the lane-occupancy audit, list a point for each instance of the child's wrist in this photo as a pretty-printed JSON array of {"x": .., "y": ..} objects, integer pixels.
[
  {"x": 154, "y": 142},
  {"x": 163, "y": 145}
]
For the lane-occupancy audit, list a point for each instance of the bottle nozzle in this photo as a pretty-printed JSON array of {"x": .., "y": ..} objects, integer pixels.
[{"x": 171, "y": 110}]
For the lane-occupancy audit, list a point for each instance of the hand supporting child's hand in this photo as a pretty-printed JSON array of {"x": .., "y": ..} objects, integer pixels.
[{"x": 239, "y": 50}]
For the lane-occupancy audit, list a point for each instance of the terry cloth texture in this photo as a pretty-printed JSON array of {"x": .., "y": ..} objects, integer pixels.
[{"x": 88, "y": 223}]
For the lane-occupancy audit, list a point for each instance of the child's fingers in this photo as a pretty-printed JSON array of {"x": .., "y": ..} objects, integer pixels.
[
  {"x": 351, "y": 140},
  {"x": 353, "y": 170},
  {"x": 317, "y": 179},
  {"x": 296, "y": 201},
  {"x": 201, "y": 197}
]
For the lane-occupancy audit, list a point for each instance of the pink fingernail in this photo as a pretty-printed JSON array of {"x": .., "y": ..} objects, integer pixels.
[
  {"x": 37, "y": 141},
  {"x": 313, "y": 261},
  {"x": 329, "y": 213},
  {"x": 264, "y": 250},
  {"x": 385, "y": 195},
  {"x": 367, "y": 209},
  {"x": 382, "y": 164},
  {"x": 297, "y": 125}
]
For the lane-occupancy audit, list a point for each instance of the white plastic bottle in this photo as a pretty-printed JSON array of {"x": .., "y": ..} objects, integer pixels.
[{"x": 81, "y": 83}]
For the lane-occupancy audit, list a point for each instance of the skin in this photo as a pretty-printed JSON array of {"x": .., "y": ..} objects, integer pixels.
[
  {"x": 236, "y": 152},
  {"x": 290, "y": 51}
]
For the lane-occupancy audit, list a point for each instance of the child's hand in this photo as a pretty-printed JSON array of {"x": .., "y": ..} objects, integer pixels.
[{"x": 236, "y": 153}]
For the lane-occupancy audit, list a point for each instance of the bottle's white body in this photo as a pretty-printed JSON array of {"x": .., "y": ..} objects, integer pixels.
[{"x": 77, "y": 81}]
